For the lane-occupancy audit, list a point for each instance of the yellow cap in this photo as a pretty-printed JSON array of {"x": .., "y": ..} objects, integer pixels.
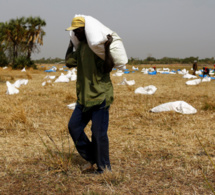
[{"x": 77, "y": 22}]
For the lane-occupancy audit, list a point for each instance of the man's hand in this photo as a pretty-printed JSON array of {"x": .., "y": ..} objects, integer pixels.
[
  {"x": 68, "y": 54},
  {"x": 109, "y": 64},
  {"x": 70, "y": 44},
  {"x": 108, "y": 42}
]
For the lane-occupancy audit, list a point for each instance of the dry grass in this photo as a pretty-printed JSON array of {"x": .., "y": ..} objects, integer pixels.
[{"x": 156, "y": 153}]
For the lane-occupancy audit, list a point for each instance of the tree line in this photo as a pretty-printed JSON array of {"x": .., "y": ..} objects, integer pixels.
[
  {"x": 148, "y": 60},
  {"x": 19, "y": 38},
  {"x": 167, "y": 60}
]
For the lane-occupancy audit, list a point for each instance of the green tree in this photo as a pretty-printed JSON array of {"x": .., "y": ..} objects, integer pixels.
[
  {"x": 34, "y": 34},
  {"x": 13, "y": 34}
]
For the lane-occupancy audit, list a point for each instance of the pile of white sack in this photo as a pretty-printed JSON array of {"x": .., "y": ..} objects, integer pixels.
[
  {"x": 96, "y": 34},
  {"x": 70, "y": 76}
]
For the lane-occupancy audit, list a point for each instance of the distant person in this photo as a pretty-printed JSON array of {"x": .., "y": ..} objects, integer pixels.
[
  {"x": 206, "y": 71},
  {"x": 154, "y": 68},
  {"x": 94, "y": 95},
  {"x": 194, "y": 67},
  {"x": 214, "y": 68}
]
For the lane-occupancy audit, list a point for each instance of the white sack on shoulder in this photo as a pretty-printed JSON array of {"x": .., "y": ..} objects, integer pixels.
[
  {"x": 177, "y": 106},
  {"x": 96, "y": 34},
  {"x": 149, "y": 90},
  {"x": 194, "y": 82}
]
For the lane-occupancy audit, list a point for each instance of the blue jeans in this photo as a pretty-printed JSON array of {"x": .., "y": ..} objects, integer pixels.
[{"x": 96, "y": 150}]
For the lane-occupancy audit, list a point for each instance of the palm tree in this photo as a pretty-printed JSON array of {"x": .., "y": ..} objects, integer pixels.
[
  {"x": 13, "y": 33},
  {"x": 3, "y": 59},
  {"x": 34, "y": 34}
]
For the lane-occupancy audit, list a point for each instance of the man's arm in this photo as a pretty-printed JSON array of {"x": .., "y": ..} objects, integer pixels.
[
  {"x": 108, "y": 64},
  {"x": 69, "y": 61}
]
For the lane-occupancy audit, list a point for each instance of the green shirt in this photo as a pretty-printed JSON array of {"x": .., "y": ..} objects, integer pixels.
[{"x": 93, "y": 86}]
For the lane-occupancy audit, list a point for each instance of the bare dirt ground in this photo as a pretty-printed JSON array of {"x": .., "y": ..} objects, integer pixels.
[{"x": 151, "y": 153}]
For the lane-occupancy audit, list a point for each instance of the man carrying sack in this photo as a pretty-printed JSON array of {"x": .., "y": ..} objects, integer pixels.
[{"x": 94, "y": 95}]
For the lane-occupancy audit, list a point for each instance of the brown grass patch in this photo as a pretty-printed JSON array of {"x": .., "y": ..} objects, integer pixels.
[{"x": 155, "y": 153}]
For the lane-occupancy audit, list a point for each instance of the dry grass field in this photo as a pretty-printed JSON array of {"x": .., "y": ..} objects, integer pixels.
[{"x": 150, "y": 153}]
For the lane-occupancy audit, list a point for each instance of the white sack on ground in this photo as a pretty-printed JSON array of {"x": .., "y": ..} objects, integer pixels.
[
  {"x": 11, "y": 89},
  {"x": 44, "y": 83},
  {"x": 189, "y": 76},
  {"x": 20, "y": 82},
  {"x": 177, "y": 106},
  {"x": 71, "y": 106},
  {"x": 151, "y": 69},
  {"x": 50, "y": 77},
  {"x": 211, "y": 72},
  {"x": 118, "y": 73},
  {"x": 149, "y": 90},
  {"x": 145, "y": 70},
  {"x": 166, "y": 69},
  {"x": 198, "y": 72},
  {"x": 96, "y": 34},
  {"x": 72, "y": 75},
  {"x": 194, "y": 82},
  {"x": 54, "y": 68},
  {"x": 164, "y": 72},
  {"x": 5, "y": 67},
  {"x": 184, "y": 71},
  {"x": 62, "y": 79},
  {"x": 134, "y": 68},
  {"x": 206, "y": 79},
  {"x": 23, "y": 70},
  {"x": 125, "y": 82}
]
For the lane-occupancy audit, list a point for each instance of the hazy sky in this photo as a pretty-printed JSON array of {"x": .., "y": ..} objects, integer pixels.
[{"x": 159, "y": 28}]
